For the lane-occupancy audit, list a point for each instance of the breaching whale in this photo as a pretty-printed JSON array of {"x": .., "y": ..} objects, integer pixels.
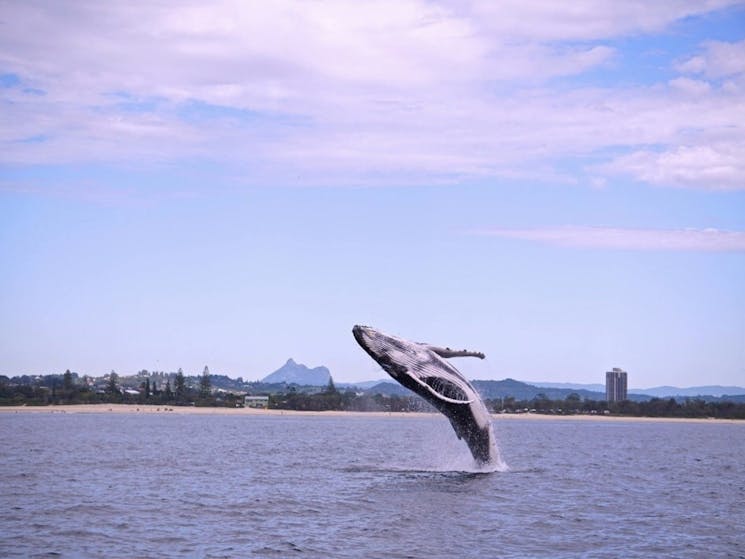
[{"x": 422, "y": 369}]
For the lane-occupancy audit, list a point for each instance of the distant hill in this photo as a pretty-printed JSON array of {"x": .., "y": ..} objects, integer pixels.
[
  {"x": 298, "y": 373},
  {"x": 716, "y": 391},
  {"x": 490, "y": 389},
  {"x": 361, "y": 385},
  {"x": 672, "y": 391},
  {"x": 507, "y": 388},
  {"x": 570, "y": 385},
  {"x": 388, "y": 388}
]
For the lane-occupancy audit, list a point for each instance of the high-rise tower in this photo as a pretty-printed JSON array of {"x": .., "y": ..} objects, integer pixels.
[{"x": 615, "y": 385}]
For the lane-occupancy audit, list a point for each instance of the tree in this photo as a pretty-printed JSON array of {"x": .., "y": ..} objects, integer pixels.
[
  {"x": 67, "y": 380},
  {"x": 330, "y": 398},
  {"x": 180, "y": 385},
  {"x": 573, "y": 402},
  {"x": 204, "y": 383},
  {"x": 112, "y": 387},
  {"x": 166, "y": 394},
  {"x": 509, "y": 403},
  {"x": 146, "y": 388},
  {"x": 541, "y": 402},
  {"x": 330, "y": 387}
]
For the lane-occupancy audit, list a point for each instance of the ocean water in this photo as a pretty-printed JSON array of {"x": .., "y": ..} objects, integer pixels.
[{"x": 172, "y": 485}]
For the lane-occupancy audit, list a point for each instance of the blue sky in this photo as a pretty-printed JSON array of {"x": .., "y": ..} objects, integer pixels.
[{"x": 232, "y": 186}]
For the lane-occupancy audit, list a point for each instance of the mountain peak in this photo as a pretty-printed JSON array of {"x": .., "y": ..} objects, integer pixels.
[{"x": 297, "y": 373}]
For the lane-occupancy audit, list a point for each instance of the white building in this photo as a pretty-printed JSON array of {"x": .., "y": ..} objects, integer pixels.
[{"x": 256, "y": 401}]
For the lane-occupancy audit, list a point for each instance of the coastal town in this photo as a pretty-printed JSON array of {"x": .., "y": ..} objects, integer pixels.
[{"x": 297, "y": 387}]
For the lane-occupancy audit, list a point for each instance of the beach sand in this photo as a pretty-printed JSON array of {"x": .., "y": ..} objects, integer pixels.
[{"x": 191, "y": 410}]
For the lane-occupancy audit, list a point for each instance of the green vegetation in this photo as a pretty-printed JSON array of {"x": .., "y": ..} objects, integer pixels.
[
  {"x": 219, "y": 390},
  {"x": 333, "y": 400},
  {"x": 69, "y": 388},
  {"x": 205, "y": 384},
  {"x": 656, "y": 407}
]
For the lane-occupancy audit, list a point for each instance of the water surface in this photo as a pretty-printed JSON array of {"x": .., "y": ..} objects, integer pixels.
[{"x": 171, "y": 485}]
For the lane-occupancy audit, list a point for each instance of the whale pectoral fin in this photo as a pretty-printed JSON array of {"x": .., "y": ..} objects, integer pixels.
[
  {"x": 445, "y": 389},
  {"x": 446, "y": 352}
]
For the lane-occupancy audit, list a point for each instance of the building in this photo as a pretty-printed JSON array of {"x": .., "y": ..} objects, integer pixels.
[
  {"x": 256, "y": 401},
  {"x": 615, "y": 385}
]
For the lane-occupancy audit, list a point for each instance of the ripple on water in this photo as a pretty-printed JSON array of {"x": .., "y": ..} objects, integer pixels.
[{"x": 237, "y": 486}]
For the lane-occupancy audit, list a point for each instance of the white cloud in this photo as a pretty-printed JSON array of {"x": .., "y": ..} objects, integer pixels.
[
  {"x": 691, "y": 87},
  {"x": 720, "y": 59},
  {"x": 579, "y": 20},
  {"x": 711, "y": 167},
  {"x": 346, "y": 92},
  {"x": 699, "y": 240}
]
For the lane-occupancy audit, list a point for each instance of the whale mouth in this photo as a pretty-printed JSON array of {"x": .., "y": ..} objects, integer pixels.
[{"x": 365, "y": 337}]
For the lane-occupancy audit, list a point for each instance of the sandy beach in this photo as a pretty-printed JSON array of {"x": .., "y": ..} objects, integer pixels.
[
  {"x": 192, "y": 410},
  {"x": 189, "y": 410}
]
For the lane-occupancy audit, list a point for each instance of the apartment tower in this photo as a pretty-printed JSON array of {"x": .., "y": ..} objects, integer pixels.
[{"x": 615, "y": 385}]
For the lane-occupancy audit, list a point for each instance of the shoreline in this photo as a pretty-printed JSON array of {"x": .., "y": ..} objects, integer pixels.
[{"x": 258, "y": 412}]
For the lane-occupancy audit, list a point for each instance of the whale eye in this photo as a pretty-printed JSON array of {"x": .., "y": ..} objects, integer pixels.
[{"x": 445, "y": 388}]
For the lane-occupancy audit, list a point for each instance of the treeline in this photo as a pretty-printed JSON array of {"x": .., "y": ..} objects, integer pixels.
[
  {"x": 332, "y": 399},
  {"x": 68, "y": 388},
  {"x": 656, "y": 407}
]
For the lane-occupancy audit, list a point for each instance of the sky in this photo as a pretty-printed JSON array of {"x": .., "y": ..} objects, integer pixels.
[{"x": 236, "y": 183}]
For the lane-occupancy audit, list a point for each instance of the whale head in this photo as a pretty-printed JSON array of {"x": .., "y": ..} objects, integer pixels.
[{"x": 390, "y": 352}]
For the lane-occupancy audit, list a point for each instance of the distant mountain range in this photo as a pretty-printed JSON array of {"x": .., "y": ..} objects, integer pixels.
[
  {"x": 655, "y": 392},
  {"x": 510, "y": 388},
  {"x": 362, "y": 385},
  {"x": 297, "y": 373},
  {"x": 523, "y": 391},
  {"x": 713, "y": 390}
]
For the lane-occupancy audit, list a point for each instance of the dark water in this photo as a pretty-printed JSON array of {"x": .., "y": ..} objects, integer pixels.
[{"x": 169, "y": 485}]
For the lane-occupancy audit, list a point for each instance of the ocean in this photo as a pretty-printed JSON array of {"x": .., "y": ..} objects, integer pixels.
[{"x": 180, "y": 485}]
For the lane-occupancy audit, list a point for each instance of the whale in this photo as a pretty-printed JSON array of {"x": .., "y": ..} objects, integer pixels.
[{"x": 423, "y": 369}]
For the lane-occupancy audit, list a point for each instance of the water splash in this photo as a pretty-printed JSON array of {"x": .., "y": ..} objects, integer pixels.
[
  {"x": 450, "y": 454},
  {"x": 436, "y": 449}
]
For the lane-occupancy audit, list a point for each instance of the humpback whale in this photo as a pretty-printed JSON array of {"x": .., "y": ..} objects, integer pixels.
[{"x": 422, "y": 368}]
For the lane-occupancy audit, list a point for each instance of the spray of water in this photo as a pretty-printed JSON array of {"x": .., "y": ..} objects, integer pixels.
[
  {"x": 436, "y": 449},
  {"x": 449, "y": 454}
]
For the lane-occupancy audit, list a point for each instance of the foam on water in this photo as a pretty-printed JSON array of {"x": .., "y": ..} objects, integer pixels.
[
  {"x": 452, "y": 455},
  {"x": 436, "y": 448}
]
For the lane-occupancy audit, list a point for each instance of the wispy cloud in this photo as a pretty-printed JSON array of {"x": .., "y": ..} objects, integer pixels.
[
  {"x": 718, "y": 166},
  {"x": 614, "y": 238},
  {"x": 718, "y": 59},
  {"x": 368, "y": 91}
]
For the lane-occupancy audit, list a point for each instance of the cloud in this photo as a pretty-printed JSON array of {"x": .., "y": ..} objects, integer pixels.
[
  {"x": 719, "y": 59},
  {"x": 340, "y": 93},
  {"x": 691, "y": 87},
  {"x": 610, "y": 238},
  {"x": 711, "y": 167},
  {"x": 583, "y": 20}
]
